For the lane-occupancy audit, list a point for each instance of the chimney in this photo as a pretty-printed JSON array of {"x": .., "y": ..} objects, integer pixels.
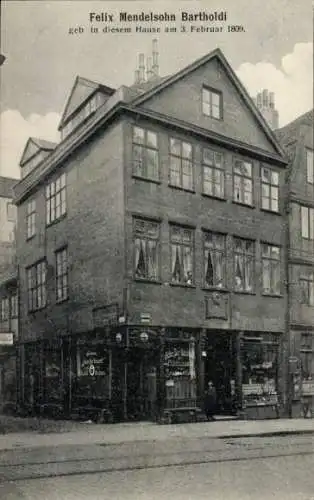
[
  {"x": 265, "y": 102},
  {"x": 149, "y": 70},
  {"x": 155, "y": 68},
  {"x": 141, "y": 68},
  {"x": 137, "y": 76}
]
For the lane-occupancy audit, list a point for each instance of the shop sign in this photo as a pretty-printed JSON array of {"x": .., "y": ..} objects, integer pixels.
[
  {"x": 92, "y": 363},
  {"x": 6, "y": 338},
  {"x": 145, "y": 318}
]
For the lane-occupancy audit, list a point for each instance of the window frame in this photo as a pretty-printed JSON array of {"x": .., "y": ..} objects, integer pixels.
[
  {"x": 307, "y": 286},
  {"x": 31, "y": 219},
  {"x": 181, "y": 159},
  {"x": 5, "y": 310},
  {"x": 144, "y": 236},
  {"x": 246, "y": 255},
  {"x": 216, "y": 249},
  {"x": 209, "y": 102},
  {"x": 54, "y": 192},
  {"x": 307, "y": 233},
  {"x": 62, "y": 277},
  {"x": 242, "y": 178},
  {"x": 273, "y": 262},
  {"x": 36, "y": 288},
  {"x": 189, "y": 278},
  {"x": 307, "y": 355},
  {"x": 309, "y": 166},
  {"x": 270, "y": 187},
  {"x": 213, "y": 167},
  {"x": 145, "y": 148},
  {"x": 11, "y": 205}
]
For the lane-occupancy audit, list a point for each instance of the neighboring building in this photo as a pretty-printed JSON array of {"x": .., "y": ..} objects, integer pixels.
[
  {"x": 150, "y": 245},
  {"x": 297, "y": 139},
  {"x": 8, "y": 295},
  {"x": 265, "y": 102}
]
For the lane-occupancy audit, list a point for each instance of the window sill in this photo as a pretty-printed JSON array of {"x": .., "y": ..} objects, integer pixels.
[
  {"x": 29, "y": 238},
  {"x": 244, "y": 292},
  {"x": 55, "y": 221},
  {"x": 214, "y": 289},
  {"x": 220, "y": 198},
  {"x": 61, "y": 301},
  {"x": 181, "y": 285},
  {"x": 273, "y": 295},
  {"x": 274, "y": 212},
  {"x": 243, "y": 204},
  {"x": 33, "y": 311},
  {"x": 146, "y": 179},
  {"x": 147, "y": 280},
  {"x": 173, "y": 186}
]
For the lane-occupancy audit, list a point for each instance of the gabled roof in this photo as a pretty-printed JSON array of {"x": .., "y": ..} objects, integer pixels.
[
  {"x": 33, "y": 146},
  {"x": 216, "y": 53},
  {"x": 82, "y": 89},
  {"x": 305, "y": 119}
]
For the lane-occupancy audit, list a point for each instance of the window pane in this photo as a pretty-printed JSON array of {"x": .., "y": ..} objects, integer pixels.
[
  {"x": 175, "y": 147},
  {"x": 186, "y": 150},
  {"x": 138, "y": 135},
  {"x": 206, "y": 96},
  {"x": 305, "y": 222},
  {"x": 175, "y": 168},
  {"x": 275, "y": 178},
  {"x": 152, "y": 163},
  {"x": 215, "y": 98},
  {"x": 208, "y": 156},
  {"x": 265, "y": 175},
  {"x": 151, "y": 139},
  {"x": 206, "y": 108}
]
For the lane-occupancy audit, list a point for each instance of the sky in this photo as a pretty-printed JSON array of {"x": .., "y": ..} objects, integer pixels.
[{"x": 42, "y": 59}]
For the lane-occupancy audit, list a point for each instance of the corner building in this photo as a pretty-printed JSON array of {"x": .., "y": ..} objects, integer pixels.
[
  {"x": 297, "y": 139},
  {"x": 150, "y": 243}
]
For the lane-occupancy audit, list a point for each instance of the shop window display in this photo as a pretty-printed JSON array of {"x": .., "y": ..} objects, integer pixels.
[
  {"x": 259, "y": 371},
  {"x": 180, "y": 377},
  {"x": 92, "y": 372}
]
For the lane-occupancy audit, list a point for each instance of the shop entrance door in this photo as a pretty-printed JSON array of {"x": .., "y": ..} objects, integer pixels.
[
  {"x": 220, "y": 368},
  {"x": 141, "y": 384}
]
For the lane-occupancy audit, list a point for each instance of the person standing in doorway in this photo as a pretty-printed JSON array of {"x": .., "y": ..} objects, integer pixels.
[{"x": 210, "y": 401}]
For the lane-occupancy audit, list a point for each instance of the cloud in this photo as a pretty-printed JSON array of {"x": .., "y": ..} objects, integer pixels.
[
  {"x": 292, "y": 83},
  {"x": 16, "y": 130}
]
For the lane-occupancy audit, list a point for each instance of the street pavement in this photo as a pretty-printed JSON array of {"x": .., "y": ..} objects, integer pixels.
[
  {"x": 149, "y": 431},
  {"x": 236, "y": 468}
]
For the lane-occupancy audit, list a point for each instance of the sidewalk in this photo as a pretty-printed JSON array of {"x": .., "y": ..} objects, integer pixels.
[{"x": 106, "y": 434}]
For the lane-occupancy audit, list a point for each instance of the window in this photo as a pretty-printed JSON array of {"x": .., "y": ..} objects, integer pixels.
[
  {"x": 307, "y": 223},
  {"x": 213, "y": 173},
  {"x": 214, "y": 259},
  {"x": 36, "y": 286},
  {"x": 182, "y": 264},
  {"x": 31, "y": 219},
  {"x": 309, "y": 166},
  {"x": 271, "y": 269},
  {"x": 146, "y": 249},
  {"x": 61, "y": 274},
  {"x": 145, "y": 153},
  {"x": 4, "y": 309},
  {"x": 244, "y": 265},
  {"x": 181, "y": 164},
  {"x": 56, "y": 199},
  {"x": 14, "y": 306},
  {"x": 242, "y": 182},
  {"x": 307, "y": 356},
  {"x": 307, "y": 287},
  {"x": 11, "y": 212},
  {"x": 212, "y": 103},
  {"x": 270, "y": 189}
]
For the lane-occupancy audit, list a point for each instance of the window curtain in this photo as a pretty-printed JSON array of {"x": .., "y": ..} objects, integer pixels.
[
  {"x": 248, "y": 273},
  {"x": 176, "y": 265},
  {"x": 187, "y": 263},
  {"x": 140, "y": 265},
  {"x": 209, "y": 271},
  {"x": 152, "y": 259},
  {"x": 239, "y": 271}
]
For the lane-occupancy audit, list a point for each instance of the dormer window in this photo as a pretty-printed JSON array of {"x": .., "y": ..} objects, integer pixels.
[
  {"x": 212, "y": 103},
  {"x": 81, "y": 115}
]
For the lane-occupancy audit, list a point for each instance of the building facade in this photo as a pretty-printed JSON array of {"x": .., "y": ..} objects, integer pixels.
[
  {"x": 297, "y": 139},
  {"x": 150, "y": 244},
  {"x": 8, "y": 296}
]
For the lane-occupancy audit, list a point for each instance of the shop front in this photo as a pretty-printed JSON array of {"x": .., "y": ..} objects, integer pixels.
[{"x": 260, "y": 375}]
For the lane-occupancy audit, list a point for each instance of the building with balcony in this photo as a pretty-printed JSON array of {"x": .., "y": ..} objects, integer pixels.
[
  {"x": 151, "y": 251},
  {"x": 8, "y": 295},
  {"x": 297, "y": 139}
]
